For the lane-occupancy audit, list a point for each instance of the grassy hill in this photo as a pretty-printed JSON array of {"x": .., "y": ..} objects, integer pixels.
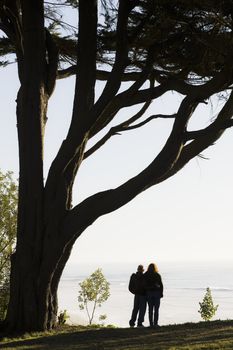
[{"x": 189, "y": 336}]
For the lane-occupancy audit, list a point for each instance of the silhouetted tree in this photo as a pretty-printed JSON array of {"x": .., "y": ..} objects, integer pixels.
[{"x": 157, "y": 46}]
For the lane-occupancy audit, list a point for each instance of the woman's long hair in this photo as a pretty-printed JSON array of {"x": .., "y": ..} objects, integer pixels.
[{"x": 152, "y": 268}]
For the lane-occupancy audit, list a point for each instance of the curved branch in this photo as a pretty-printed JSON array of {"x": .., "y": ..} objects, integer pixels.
[
  {"x": 221, "y": 81},
  {"x": 116, "y": 129},
  {"x": 85, "y": 213},
  {"x": 131, "y": 96},
  {"x": 209, "y": 136},
  {"x": 152, "y": 117},
  {"x": 119, "y": 101},
  {"x": 170, "y": 160},
  {"x": 124, "y": 127},
  {"x": 212, "y": 128}
]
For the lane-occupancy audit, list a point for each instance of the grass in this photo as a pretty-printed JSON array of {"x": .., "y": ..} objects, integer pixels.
[{"x": 190, "y": 336}]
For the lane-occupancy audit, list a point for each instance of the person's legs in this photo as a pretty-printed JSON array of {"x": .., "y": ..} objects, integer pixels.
[
  {"x": 156, "y": 310},
  {"x": 142, "y": 309},
  {"x": 135, "y": 311},
  {"x": 150, "y": 308}
]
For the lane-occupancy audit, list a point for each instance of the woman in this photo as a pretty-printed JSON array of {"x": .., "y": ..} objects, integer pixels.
[{"x": 154, "y": 291}]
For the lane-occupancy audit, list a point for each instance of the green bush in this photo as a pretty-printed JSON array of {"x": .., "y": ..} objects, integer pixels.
[
  {"x": 207, "y": 307},
  {"x": 63, "y": 317}
]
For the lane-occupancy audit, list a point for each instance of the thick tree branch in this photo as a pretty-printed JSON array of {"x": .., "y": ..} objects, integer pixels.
[
  {"x": 212, "y": 128},
  {"x": 121, "y": 60},
  {"x": 107, "y": 201},
  {"x": 86, "y": 63},
  {"x": 208, "y": 138},
  {"x": 172, "y": 158},
  {"x": 32, "y": 99},
  {"x": 69, "y": 157}
]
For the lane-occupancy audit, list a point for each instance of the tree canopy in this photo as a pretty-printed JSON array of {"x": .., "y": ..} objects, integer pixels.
[
  {"x": 157, "y": 46},
  {"x": 183, "y": 40}
]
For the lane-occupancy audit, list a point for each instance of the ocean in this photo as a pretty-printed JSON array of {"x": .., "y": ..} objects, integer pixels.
[{"x": 184, "y": 287}]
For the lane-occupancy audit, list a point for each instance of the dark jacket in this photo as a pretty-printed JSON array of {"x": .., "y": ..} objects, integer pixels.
[
  {"x": 137, "y": 283},
  {"x": 153, "y": 282}
]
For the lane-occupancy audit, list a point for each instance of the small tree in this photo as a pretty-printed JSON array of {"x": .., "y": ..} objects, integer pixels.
[
  {"x": 207, "y": 307},
  {"x": 94, "y": 291}
]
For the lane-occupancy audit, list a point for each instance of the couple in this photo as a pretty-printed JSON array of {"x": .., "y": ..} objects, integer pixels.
[{"x": 147, "y": 288}]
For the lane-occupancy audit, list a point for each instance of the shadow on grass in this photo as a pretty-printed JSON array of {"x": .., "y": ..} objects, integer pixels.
[{"x": 211, "y": 335}]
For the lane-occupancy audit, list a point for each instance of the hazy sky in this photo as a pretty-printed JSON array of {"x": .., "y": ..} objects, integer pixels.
[{"x": 188, "y": 217}]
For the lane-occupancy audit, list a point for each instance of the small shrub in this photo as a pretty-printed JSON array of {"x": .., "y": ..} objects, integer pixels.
[
  {"x": 102, "y": 318},
  {"x": 207, "y": 307},
  {"x": 63, "y": 317}
]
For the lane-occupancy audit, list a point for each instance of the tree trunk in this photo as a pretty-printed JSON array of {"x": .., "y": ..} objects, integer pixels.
[
  {"x": 33, "y": 303},
  {"x": 33, "y": 295},
  {"x": 42, "y": 250},
  {"x": 34, "y": 283}
]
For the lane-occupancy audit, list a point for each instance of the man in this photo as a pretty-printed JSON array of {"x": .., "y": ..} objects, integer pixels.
[{"x": 137, "y": 287}]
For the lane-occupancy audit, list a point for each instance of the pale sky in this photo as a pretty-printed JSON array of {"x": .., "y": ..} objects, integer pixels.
[{"x": 186, "y": 218}]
